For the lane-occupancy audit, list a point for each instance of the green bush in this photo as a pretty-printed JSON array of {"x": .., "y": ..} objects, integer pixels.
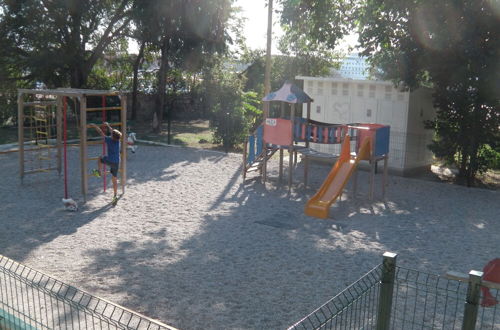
[
  {"x": 234, "y": 113},
  {"x": 228, "y": 116},
  {"x": 491, "y": 157}
]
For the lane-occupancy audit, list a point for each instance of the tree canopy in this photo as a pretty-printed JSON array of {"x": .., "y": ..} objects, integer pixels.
[
  {"x": 452, "y": 46},
  {"x": 58, "y": 42},
  {"x": 184, "y": 32}
]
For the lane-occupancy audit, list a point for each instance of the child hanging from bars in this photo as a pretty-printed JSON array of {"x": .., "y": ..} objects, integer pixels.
[{"x": 113, "y": 156}]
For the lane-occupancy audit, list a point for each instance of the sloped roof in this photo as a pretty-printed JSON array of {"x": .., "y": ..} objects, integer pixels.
[{"x": 289, "y": 93}]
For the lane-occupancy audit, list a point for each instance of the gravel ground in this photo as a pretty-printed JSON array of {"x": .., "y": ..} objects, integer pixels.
[{"x": 192, "y": 245}]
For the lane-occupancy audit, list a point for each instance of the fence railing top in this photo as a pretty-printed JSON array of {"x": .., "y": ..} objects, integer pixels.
[
  {"x": 457, "y": 276},
  {"x": 67, "y": 293}
]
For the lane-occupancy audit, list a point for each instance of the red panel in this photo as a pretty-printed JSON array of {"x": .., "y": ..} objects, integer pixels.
[{"x": 278, "y": 131}]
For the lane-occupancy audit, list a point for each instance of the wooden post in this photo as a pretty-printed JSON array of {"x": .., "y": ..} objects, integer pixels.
[
  {"x": 83, "y": 144},
  {"x": 281, "y": 165},
  {"x": 20, "y": 132},
  {"x": 123, "y": 163},
  {"x": 355, "y": 182},
  {"x": 264, "y": 163},
  {"x": 306, "y": 163},
  {"x": 384, "y": 180},
  {"x": 472, "y": 300},
  {"x": 282, "y": 115},
  {"x": 267, "y": 81},
  {"x": 290, "y": 148},
  {"x": 373, "y": 162},
  {"x": 245, "y": 151},
  {"x": 267, "y": 71},
  {"x": 386, "y": 291},
  {"x": 59, "y": 128}
]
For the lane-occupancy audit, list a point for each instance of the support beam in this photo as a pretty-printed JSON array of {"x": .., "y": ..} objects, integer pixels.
[
  {"x": 59, "y": 125},
  {"x": 267, "y": 71},
  {"x": 123, "y": 163},
  {"x": 20, "y": 132},
  {"x": 290, "y": 148},
  {"x": 384, "y": 180},
  {"x": 281, "y": 165},
  {"x": 83, "y": 145}
]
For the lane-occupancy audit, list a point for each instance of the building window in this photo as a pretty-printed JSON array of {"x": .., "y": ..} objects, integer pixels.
[
  {"x": 318, "y": 109},
  {"x": 361, "y": 90},
  {"x": 334, "y": 88},
  {"x": 345, "y": 89},
  {"x": 388, "y": 92},
  {"x": 372, "y": 91},
  {"x": 320, "y": 88}
]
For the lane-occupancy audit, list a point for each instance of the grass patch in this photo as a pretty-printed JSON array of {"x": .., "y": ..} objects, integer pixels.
[{"x": 194, "y": 134}]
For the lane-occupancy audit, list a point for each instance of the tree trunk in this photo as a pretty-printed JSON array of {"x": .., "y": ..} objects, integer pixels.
[
  {"x": 162, "y": 85},
  {"x": 78, "y": 78},
  {"x": 135, "y": 83}
]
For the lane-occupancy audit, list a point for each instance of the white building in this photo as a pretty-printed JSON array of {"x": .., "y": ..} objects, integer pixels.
[{"x": 339, "y": 100}]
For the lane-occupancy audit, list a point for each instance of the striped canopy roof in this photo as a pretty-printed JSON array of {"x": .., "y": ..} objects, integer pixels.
[{"x": 288, "y": 93}]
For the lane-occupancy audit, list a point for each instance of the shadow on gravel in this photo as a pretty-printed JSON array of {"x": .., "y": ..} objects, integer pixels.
[{"x": 255, "y": 261}]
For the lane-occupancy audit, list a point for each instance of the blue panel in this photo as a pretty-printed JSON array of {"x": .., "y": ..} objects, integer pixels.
[
  {"x": 251, "y": 149},
  {"x": 260, "y": 139},
  {"x": 308, "y": 133},
  {"x": 320, "y": 134},
  {"x": 382, "y": 141},
  {"x": 296, "y": 132}
]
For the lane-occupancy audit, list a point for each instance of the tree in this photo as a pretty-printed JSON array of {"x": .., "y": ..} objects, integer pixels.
[
  {"x": 450, "y": 45},
  {"x": 314, "y": 28},
  {"x": 234, "y": 113},
  {"x": 184, "y": 32},
  {"x": 58, "y": 42},
  {"x": 283, "y": 67},
  {"x": 113, "y": 69}
]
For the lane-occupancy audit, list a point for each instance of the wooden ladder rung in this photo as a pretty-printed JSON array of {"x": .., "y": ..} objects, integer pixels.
[
  {"x": 104, "y": 109},
  {"x": 40, "y": 170},
  {"x": 110, "y": 124}
]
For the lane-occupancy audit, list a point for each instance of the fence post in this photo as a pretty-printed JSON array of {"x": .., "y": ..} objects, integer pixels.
[
  {"x": 472, "y": 300},
  {"x": 386, "y": 290}
]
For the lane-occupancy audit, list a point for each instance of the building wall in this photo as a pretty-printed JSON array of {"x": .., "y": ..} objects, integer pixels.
[
  {"x": 418, "y": 138},
  {"x": 344, "y": 101}
]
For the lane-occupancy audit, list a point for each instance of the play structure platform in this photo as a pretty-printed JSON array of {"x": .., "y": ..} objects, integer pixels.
[{"x": 286, "y": 131}]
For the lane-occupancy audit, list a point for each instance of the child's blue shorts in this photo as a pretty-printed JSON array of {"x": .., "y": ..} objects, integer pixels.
[{"x": 113, "y": 167}]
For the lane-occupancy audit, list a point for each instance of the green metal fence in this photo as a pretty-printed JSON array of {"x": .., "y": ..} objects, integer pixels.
[
  {"x": 353, "y": 308},
  {"x": 32, "y": 300},
  {"x": 392, "y": 297}
]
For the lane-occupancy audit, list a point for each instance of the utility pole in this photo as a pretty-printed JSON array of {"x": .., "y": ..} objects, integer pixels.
[{"x": 267, "y": 72}]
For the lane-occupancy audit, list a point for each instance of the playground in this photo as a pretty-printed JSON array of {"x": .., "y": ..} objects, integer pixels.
[{"x": 193, "y": 245}]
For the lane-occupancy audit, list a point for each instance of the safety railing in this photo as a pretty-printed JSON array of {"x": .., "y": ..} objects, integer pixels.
[
  {"x": 253, "y": 145},
  {"x": 30, "y": 299},
  {"x": 392, "y": 297}
]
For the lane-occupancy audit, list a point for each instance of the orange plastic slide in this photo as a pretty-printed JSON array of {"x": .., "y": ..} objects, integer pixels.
[{"x": 319, "y": 205}]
